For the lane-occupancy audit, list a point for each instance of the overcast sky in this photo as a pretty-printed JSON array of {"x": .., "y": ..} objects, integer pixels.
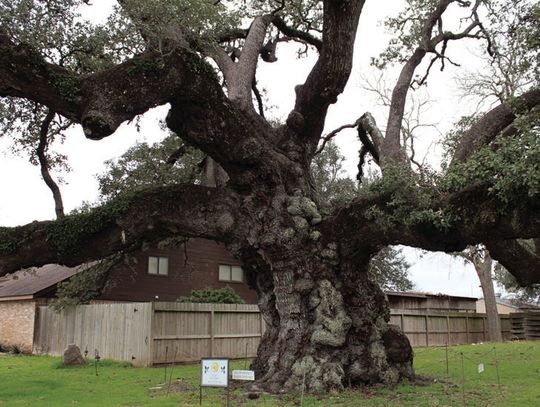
[{"x": 25, "y": 197}]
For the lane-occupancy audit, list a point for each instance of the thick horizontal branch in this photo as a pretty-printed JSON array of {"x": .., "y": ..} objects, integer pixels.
[
  {"x": 493, "y": 123},
  {"x": 24, "y": 73},
  {"x": 106, "y": 99},
  {"x": 122, "y": 224},
  {"x": 446, "y": 223},
  {"x": 523, "y": 264}
]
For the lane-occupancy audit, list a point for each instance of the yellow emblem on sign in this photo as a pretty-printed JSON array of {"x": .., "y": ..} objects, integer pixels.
[{"x": 215, "y": 367}]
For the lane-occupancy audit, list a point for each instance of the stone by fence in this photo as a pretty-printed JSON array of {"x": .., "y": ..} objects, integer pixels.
[{"x": 155, "y": 333}]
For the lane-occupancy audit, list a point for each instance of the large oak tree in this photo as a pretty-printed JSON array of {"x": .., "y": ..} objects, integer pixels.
[{"x": 325, "y": 320}]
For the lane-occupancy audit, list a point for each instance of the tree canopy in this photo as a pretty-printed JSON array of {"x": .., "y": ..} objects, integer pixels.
[{"x": 327, "y": 322}]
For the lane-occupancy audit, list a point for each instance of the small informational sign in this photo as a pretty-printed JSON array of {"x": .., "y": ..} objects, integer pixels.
[
  {"x": 481, "y": 368},
  {"x": 243, "y": 375},
  {"x": 214, "y": 372}
]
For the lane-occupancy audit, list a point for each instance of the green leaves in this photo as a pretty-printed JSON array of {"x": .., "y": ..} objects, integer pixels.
[
  {"x": 389, "y": 270},
  {"x": 511, "y": 166},
  {"x": 146, "y": 165},
  {"x": 333, "y": 189},
  {"x": 225, "y": 295}
]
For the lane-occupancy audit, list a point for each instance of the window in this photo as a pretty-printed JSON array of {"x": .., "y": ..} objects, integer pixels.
[
  {"x": 231, "y": 273},
  {"x": 158, "y": 266}
]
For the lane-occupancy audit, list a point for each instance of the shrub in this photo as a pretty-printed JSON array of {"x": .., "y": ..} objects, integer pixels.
[
  {"x": 4, "y": 348},
  {"x": 17, "y": 349},
  {"x": 225, "y": 295}
]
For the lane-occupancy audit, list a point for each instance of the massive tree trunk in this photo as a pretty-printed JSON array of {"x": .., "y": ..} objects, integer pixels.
[{"x": 327, "y": 325}]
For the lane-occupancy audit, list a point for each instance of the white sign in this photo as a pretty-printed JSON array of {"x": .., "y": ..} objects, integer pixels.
[
  {"x": 480, "y": 368},
  {"x": 214, "y": 372},
  {"x": 243, "y": 375}
]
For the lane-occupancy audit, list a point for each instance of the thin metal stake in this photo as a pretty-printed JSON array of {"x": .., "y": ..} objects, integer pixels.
[
  {"x": 463, "y": 379},
  {"x": 497, "y": 368},
  {"x": 96, "y": 360},
  {"x": 166, "y": 357},
  {"x": 200, "y": 395},
  {"x": 172, "y": 368},
  {"x": 447, "y": 371},
  {"x": 303, "y": 387}
]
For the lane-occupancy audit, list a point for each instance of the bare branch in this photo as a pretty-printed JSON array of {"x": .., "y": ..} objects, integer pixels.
[
  {"x": 391, "y": 148},
  {"x": 334, "y": 133},
  {"x": 258, "y": 97},
  {"x": 44, "y": 164},
  {"x": 307, "y": 38}
]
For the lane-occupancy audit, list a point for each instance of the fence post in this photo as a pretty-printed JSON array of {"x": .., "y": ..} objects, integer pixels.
[
  {"x": 427, "y": 329},
  {"x": 467, "y": 328},
  {"x": 447, "y": 330},
  {"x": 212, "y": 333}
]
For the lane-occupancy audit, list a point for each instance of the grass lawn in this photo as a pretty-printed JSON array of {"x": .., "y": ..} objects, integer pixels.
[{"x": 42, "y": 381}]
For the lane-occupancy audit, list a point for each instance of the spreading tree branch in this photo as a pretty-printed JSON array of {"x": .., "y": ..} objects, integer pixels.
[
  {"x": 426, "y": 227},
  {"x": 329, "y": 76},
  {"x": 122, "y": 224},
  {"x": 520, "y": 261},
  {"x": 493, "y": 123},
  {"x": 391, "y": 149}
]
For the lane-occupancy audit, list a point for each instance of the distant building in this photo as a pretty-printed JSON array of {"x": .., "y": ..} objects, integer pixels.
[
  {"x": 426, "y": 302},
  {"x": 503, "y": 306}
]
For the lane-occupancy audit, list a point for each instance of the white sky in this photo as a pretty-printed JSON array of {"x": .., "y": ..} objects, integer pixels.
[{"x": 26, "y": 198}]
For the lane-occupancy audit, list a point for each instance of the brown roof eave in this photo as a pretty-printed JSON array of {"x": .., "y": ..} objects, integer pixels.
[{"x": 17, "y": 298}]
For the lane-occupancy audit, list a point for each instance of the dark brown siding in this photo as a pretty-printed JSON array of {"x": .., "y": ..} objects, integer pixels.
[{"x": 198, "y": 272}]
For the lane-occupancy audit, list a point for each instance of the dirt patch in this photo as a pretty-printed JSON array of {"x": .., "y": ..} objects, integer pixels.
[{"x": 177, "y": 386}]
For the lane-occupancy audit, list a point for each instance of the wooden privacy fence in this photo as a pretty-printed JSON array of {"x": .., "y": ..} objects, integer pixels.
[
  {"x": 437, "y": 329},
  {"x": 189, "y": 332},
  {"x": 163, "y": 332},
  {"x": 152, "y": 333}
]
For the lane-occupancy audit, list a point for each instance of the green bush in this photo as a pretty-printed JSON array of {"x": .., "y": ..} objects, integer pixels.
[
  {"x": 17, "y": 349},
  {"x": 4, "y": 348},
  {"x": 225, "y": 295}
]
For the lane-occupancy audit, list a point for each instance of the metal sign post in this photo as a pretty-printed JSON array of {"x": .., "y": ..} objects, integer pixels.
[{"x": 214, "y": 373}]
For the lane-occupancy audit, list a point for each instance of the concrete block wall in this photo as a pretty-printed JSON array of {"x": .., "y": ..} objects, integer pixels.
[{"x": 17, "y": 320}]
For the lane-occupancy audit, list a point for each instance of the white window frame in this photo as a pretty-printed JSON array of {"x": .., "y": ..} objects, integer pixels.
[
  {"x": 160, "y": 264},
  {"x": 229, "y": 268}
]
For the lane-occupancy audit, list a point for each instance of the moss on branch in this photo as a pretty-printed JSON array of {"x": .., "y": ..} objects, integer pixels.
[{"x": 69, "y": 234}]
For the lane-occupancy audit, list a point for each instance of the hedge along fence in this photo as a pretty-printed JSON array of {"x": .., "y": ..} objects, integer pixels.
[
  {"x": 165, "y": 332},
  {"x": 152, "y": 333}
]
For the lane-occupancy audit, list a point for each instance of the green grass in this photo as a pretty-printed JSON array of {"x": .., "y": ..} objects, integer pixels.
[{"x": 43, "y": 381}]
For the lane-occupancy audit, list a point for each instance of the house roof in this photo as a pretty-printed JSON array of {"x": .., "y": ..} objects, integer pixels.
[
  {"x": 418, "y": 294},
  {"x": 27, "y": 283}
]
